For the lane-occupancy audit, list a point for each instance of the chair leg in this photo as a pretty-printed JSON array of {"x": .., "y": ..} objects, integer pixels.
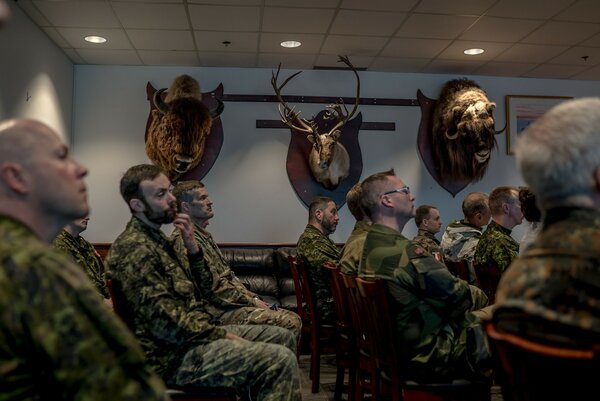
[
  {"x": 339, "y": 380},
  {"x": 315, "y": 368}
]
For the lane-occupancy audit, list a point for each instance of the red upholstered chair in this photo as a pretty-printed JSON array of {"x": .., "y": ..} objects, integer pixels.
[
  {"x": 345, "y": 342},
  {"x": 367, "y": 373},
  {"x": 488, "y": 277},
  {"x": 123, "y": 310},
  {"x": 530, "y": 371},
  {"x": 376, "y": 305},
  {"x": 321, "y": 336}
]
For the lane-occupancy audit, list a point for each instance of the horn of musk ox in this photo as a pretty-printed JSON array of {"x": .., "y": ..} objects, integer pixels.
[
  {"x": 216, "y": 112},
  {"x": 160, "y": 104}
]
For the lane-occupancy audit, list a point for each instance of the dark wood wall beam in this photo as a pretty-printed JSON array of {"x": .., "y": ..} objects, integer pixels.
[
  {"x": 371, "y": 101},
  {"x": 366, "y": 125}
]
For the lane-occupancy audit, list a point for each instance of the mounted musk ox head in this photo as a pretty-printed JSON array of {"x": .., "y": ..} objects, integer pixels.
[
  {"x": 463, "y": 132},
  {"x": 180, "y": 124}
]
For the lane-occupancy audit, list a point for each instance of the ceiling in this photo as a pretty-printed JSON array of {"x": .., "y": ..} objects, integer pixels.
[{"x": 522, "y": 38}]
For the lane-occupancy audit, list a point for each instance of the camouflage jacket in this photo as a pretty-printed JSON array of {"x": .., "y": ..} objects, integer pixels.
[
  {"x": 352, "y": 250},
  {"x": 84, "y": 254},
  {"x": 431, "y": 307},
  {"x": 164, "y": 292},
  {"x": 58, "y": 341},
  {"x": 427, "y": 240},
  {"x": 227, "y": 291},
  {"x": 496, "y": 247},
  {"x": 459, "y": 241},
  {"x": 552, "y": 292},
  {"x": 316, "y": 249}
]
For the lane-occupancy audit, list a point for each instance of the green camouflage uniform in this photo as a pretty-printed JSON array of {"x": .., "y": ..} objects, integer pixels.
[
  {"x": 316, "y": 249},
  {"x": 437, "y": 336},
  {"x": 178, "y": 333},
  {"x": 496, "y": 247},
  {"x": 229, "y": 299},
  {"x": 552, "y": 292},
  {"x": 459, "y": 241},
  {"x": 58, "y": 341},
  {"x": 352, "y": 250},
  {"x": 427, "y": 240},
  {"x": 84, "y": 254}
]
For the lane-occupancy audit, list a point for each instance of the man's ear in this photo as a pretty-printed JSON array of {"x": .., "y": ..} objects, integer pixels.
[
  {"x": 137, "y": 205},
  {"x": 14, "y": 177},
  {"x": 386, "y": 201}
]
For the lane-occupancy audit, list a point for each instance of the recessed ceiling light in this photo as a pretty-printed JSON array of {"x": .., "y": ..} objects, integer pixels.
[
  {"x": 473, "y": 52},
  {"x": 290, "y": 43},
  {"x": 95, "y": 39}
]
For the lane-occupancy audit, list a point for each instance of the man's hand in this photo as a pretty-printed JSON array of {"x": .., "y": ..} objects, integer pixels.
[
  {"x": 260, "y": 303},
  {"x": 231, "y": 336},
  {"x": 184, "y": 224}
]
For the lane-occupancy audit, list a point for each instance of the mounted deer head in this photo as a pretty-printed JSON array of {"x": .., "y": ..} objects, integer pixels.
[{"x": 329, "y": 161}]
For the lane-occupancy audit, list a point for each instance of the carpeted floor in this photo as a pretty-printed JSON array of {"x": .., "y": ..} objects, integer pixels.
[{"x": 328, "y": 381}]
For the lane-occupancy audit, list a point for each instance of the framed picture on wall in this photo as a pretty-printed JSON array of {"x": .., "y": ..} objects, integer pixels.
[{"x": 524, "y": 110}]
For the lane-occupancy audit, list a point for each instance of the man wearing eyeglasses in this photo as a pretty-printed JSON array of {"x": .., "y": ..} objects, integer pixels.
[{"x": 438, "y": 335}]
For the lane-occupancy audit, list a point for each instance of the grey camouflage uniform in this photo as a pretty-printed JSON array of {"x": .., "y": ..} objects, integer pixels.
[
  {"x": 438, "y": 337},
  {"x": 316, "y": 249},
  {"x": 459, "y": 241},
  {"x": 58, "y": 341},
  {"x": 427, "y": 240},
  {"x": 353, "y": 249},
  {"x": 83, "y": 254},
  {"x": 229, "y": 299},
  {"x": 496, "y": 247},
  {"x": 552, "y": 292},
  {"x": 179, "y": 335}
]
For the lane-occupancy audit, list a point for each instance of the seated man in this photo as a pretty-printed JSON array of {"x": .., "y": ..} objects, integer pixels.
[
  {"x": 352, "y": 250},
  {"x": 229, "y": 299},
  {"x": 429, "y": 223},
  {"x": 57, "y": 339},
  {"x": 461, "y": 236},
  {"x": 439, "y": 337},
  {"x": 315, "y": 247},
  {"x": 166, "y": 291},
  {"x": 496, "y": 247},
  {"x": 552, "y": 292},
  {"x": 82, "y": 253}
]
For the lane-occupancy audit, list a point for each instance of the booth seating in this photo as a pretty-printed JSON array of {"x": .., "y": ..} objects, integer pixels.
[{"x": 263, "y": 268}]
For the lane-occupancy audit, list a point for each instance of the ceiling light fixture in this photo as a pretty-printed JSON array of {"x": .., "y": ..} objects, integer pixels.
[
  {"x": 473, "y": 52},
  {"x": 95, "y": 39},
  {"x": 290, "y": 43}
]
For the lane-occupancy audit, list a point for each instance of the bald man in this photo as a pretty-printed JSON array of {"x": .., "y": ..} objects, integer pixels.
[{"x": 55, "y": 332}]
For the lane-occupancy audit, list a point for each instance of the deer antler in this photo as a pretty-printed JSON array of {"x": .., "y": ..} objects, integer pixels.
[
  {"x": 335, "y": 110},
  {"x": 288, "y": 114}
]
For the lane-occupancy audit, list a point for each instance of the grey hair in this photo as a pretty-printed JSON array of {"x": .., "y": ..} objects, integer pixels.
[{"x": 558, "y": 153}]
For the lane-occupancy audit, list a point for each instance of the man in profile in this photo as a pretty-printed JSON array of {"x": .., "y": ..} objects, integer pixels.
[
  {"x": 166, "y": 291},
  {"x": 352, "y": 250},
  {"x": 83, "y": 253},
  {"x": 315, "y": 247},
  {"x": 57, "y": 338},
  {"x": 229, "y": 299},
  {"x": 551, "y": 293},
  {"x": 429, "y": 223}
]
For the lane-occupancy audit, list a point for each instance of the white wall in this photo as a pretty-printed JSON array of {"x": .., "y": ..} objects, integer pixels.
[
  {"x": 36, "y": 77},
  {"x": 253, "y": 199}
]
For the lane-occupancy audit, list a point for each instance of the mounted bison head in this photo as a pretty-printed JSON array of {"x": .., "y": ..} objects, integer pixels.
[
  {"x": 180, "y": 124},
  {"x": 463, "y": 132}
]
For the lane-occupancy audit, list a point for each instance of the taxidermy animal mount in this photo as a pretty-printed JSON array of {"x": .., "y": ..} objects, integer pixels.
[
  {"x": 329, "y": 160},
  {"x": 456, "y": 142},
  {"x": 180, "y": 124}
]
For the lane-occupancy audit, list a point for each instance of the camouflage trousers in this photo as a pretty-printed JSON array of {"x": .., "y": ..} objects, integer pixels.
[
  {"x": 253, "y": 315},
  {"x": 263, "y": 365}
]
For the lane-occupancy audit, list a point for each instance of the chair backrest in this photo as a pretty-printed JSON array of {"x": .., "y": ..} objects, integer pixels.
[
  {"x": 304, "y": 297},
  {"x": 119, "y": 303},
  {"x": 488, "y": 277},
  {"x": 340, "y": 298},
  {"x": 528, "y": 370},
  {"x": 459, "y": 269}
]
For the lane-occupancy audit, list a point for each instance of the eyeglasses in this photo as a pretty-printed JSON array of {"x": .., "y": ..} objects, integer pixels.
[{"x": 404, "y": 190}]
